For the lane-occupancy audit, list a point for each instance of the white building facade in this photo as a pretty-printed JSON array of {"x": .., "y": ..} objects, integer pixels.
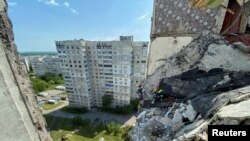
[
  {"x": 92, "y": 69},
  {"x": 45, "y": 64}
]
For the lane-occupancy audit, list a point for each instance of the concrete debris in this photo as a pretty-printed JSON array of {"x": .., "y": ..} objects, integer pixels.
[
  {"x": 207, "y": 82},
  {"x": 240, "y": 98},
  {"x": 165, "y": 121},
  {"x": 247, "y": 122},
  {"x": 239, "y": 111},
  {"x": 207, "y": 52},
  {"x": 229, "y": 122}
]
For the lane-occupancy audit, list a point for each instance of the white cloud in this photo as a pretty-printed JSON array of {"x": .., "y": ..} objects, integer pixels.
[
  {"x": 50, "y": 2},
  {"x": 143, "y": 17},
  {"x": 55, "y": 3},
  {"x": 12, "y": 3},
  {"x": 66, "y": 4},
  {"x": 74, "y": 11}
]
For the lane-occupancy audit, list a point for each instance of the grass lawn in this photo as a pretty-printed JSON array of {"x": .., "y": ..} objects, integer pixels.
[
  {"x": 89, "y": 132},
  {"x": 48, "y": 106}
]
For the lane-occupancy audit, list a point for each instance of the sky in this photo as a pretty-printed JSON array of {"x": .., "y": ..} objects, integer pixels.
[{"x": 39, "y": 23}]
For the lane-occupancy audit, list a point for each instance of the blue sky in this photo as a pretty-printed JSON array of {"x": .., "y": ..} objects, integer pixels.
[{"x": 38, "y": 23}]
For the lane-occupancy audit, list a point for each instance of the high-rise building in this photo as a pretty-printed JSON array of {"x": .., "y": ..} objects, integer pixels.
[
  {"x": 92, "y": 69},
  {"x": 45, "y": 64}
]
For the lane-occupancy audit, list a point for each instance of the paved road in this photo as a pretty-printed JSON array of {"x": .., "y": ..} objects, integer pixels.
[{"x": 99, "y": 116}]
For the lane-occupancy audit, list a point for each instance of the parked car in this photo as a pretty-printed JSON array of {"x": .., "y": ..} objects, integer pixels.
[
  {"x": 57, "y": 98},
  {"x": 62, "y": 88},
  {"x": 52, "y": 101},
  {"x": 42, "y": 94}
]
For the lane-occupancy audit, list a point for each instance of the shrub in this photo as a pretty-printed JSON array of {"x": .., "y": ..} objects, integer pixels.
[
  {"x": 113, "y": 128},
  {"x": 133, "y": 107},
  {"x": 77, "y": 121}
]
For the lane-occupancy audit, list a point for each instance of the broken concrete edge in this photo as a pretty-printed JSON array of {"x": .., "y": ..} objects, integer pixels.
[
  {"x": 22, "y": 79},
  {"x": 177, "y": 64},
  {"x": 226, "y": 73},
  {"x": 197, "y": 128}
]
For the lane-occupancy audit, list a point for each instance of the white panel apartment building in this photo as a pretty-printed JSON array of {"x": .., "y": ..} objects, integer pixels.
[
  {"x": 45, "y": 64},
  {"x": 92, "y": 69}
]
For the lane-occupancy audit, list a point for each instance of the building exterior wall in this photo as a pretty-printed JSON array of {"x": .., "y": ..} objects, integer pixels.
[
  {"x": 45, "y": 64},
  {"x": 139, "y": 65},
  {"x": 74, "y": 64},
  {"x": 164, "y": 47},
  {"x": 175, "y": 24},
  {"x": 106, "y": 69},
  {"x": 171, "y": 18}
]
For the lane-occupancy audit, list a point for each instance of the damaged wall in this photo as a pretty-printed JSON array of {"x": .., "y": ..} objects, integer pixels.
[
  {"x": 203, "y": 84},
  {"x": 164, "y": 47},
  {"x": 171, "y": 18},
  {"x": 20, "y": 116},
  {"x": 207, "y": 51},
  {"x": 175, "y": 21}
]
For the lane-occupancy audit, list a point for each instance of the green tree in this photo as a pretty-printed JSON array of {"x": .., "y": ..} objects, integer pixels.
[
  {"x": 77, "y": 121},
  {"x": 39, "y": 85},
  {"x": 107, "y": 101},
  {"x": 51, "y": 82},
  {"x": 30, "y": 67},
  {"x": 58, "y": 80},
  {"x": 114, "y": 128},
  {"x": 47, "y": 77},
  {"x": 125, "y": 131}
]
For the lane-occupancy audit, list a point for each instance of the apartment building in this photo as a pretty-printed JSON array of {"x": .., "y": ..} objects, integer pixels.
[
  {"x": 45, "y": 64},
  {"x": 92, "y": 69}
]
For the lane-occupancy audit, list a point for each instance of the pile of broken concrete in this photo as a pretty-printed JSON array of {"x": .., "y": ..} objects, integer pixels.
[{"x": 206, "y": 83}]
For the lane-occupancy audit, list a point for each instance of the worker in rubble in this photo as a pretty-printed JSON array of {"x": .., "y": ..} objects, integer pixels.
[{"x": 140, "y": 92}]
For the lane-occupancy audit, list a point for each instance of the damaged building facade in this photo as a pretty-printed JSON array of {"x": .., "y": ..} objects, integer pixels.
[{"x": 200, "y": 75}]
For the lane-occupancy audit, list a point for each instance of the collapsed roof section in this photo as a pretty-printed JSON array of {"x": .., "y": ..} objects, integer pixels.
[
  {"x": 206, "y": 52},
  {"x": 203, "y": 84}
]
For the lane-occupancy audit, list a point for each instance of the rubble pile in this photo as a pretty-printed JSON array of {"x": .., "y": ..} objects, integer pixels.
[
  {"x": 207, "y": 82},
  {"x": 206, "y": 52}
]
